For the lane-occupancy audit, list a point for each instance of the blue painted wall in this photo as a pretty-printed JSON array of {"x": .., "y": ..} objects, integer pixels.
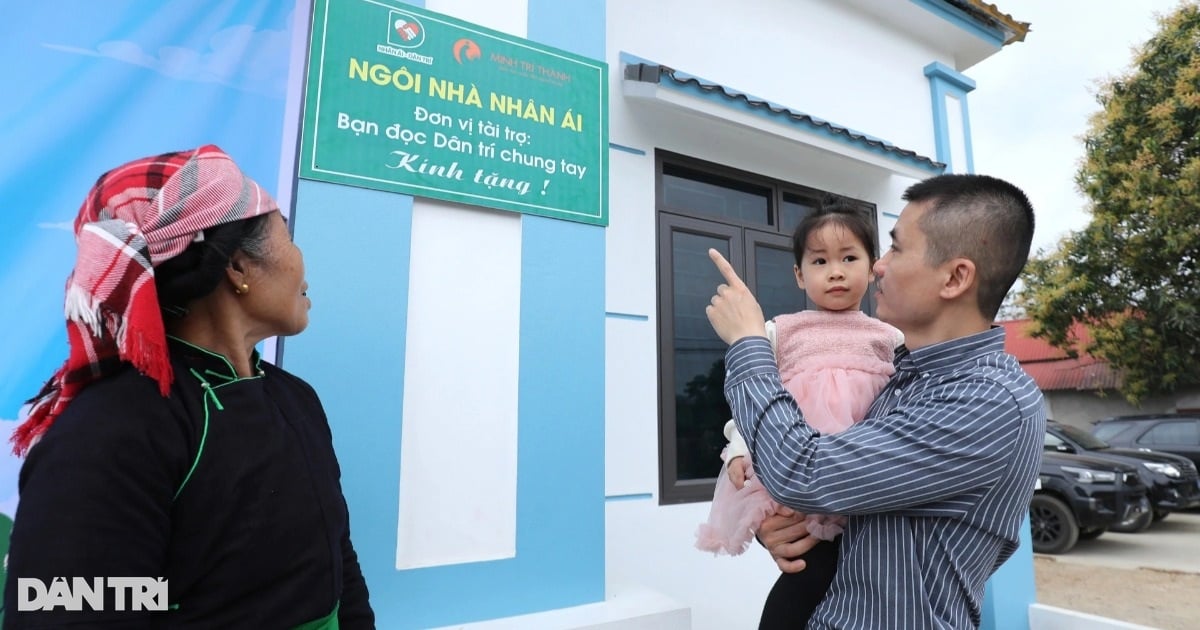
[
  {"x": 1011, "y": 590},
  {"x": 356, "y": 244}
]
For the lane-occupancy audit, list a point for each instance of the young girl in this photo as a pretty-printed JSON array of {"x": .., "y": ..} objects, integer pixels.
[{"x": 834, "y": 361}]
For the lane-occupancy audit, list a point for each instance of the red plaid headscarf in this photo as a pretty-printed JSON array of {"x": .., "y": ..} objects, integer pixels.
[{"x": 136, "y": 216}]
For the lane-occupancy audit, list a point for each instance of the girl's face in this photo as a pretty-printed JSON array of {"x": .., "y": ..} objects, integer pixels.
[{"x": 835, "y": 271}]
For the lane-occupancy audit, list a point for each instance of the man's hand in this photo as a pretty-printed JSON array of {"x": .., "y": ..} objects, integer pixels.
[
  {"x": 785, "y": 535},
  {"x": 734, "y": 313}
]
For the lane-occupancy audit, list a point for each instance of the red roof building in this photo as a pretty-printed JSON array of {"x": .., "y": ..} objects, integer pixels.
[{"x": 1051, "y": 368}]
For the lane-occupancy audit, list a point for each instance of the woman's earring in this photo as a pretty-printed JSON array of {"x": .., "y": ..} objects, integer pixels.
[{"x": 242, "y": 290}]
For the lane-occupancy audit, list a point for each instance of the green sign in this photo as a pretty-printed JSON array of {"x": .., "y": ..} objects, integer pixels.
[{"x": 405, "y": 100}]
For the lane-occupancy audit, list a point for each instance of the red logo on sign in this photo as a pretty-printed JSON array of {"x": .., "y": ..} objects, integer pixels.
[
  {"x": 407, "y": 31},
  {"x": 466, "y": 48}
]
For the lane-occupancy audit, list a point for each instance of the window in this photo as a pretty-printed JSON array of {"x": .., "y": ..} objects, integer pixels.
[
  {"x": 1183, "y": 433},
  {"x": 1085, "y": 440},
  {"x": 1107, "y": 430},
  {"x": 750, "y": 220}
]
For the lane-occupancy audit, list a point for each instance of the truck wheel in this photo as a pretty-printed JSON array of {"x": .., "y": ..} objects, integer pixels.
[{"x": 1053, "y": 527}]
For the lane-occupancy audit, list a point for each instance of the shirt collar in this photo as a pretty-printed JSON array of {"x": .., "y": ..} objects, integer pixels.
[
  {"x": 209, "y": 363},
  {"x": 948, "y": 356}
]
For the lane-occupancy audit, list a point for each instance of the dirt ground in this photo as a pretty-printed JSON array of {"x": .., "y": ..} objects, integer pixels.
[{"x": 1150, "y": 597}]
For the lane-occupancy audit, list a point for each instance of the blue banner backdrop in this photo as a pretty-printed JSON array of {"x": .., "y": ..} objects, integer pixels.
[{"x": 88, "y": 86}]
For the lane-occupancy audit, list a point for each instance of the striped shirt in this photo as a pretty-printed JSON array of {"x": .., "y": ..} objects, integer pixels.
[{"x": 936, "y": 480}]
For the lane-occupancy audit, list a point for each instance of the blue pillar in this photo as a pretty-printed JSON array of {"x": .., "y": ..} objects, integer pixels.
[
  {"x": 1011, "y": 590},
  {"x": 943, "y": 81}
]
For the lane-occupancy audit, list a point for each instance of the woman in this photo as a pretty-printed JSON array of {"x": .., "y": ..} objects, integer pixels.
[{"x": 164, "y": 447}]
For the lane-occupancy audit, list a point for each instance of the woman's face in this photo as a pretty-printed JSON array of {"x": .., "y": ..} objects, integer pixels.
[{"x": 276, "y": 302}]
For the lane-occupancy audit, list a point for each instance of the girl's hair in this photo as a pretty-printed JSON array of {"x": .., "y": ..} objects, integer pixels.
[
  {"x": 840, "y": 212},
  {"x": 198, "y": 270}
]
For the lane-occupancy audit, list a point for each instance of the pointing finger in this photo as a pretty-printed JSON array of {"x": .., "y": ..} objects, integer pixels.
[{"x": 726, "y": 269}]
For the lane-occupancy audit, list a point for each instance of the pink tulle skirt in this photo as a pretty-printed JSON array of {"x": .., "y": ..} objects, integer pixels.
[
  {"x": 736, "y": 515},
  {"x": 832, "y": 399}
]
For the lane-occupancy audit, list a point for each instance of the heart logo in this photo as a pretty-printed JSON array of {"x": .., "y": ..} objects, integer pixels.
[{"x": 408, "y": 31}]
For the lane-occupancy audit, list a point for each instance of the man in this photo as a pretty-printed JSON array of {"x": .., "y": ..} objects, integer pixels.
[{"x": 937, "y": 478}]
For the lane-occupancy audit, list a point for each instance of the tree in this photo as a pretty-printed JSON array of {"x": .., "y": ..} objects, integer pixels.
[
  {"x": 1130, "y": 277},
  {"x": 1011, "y": 308}
]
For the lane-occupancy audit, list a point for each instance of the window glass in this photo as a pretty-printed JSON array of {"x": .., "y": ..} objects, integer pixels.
[
  {"x": 1108, "y": 429},
  {"x": 700, "y": 407},
  {"x": 774, "y": 275},
  {"x": 793, "y": 210},
  {"x": 1085, "y": 440},
  {"x": 1172, "y": 433},
  {"x": 696, "y": 192}
]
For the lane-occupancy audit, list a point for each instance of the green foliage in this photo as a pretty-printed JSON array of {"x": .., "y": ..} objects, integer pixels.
[{"x": 1130, "y": 277}]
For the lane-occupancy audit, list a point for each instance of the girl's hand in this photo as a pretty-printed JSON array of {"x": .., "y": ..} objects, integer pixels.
[
  {"x": 733, "y": 311},
  {"x": 737, "y": 471}
]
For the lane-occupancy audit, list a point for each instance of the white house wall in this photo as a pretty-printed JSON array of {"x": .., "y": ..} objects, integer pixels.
[
  {"x": 476, "y": 254},
  {"x": 631, "y": 383},
  {"x": 817, "y": 56}
]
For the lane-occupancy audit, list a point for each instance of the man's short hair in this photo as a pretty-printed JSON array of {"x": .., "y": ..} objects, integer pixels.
[{"x": 981, "y": 218}]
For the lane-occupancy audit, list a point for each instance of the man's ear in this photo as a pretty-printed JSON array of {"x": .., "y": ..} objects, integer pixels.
[
  {"x": 961, "y": 278},
  {"x": 799, "y": 276}
]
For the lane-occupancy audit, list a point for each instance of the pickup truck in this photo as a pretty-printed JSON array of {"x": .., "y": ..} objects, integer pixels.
[{"x": 1079, "y": 497}]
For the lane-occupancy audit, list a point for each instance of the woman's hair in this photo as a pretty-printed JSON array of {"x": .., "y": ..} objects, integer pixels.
[
  {"x": 841, "y": 212},
  {"x": 199, "y": 269}
]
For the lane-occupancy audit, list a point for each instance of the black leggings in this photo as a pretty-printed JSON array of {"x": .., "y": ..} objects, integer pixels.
[{"x": 795, "y": 595}]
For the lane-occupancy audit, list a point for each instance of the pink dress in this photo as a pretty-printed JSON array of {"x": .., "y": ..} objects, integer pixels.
[{"x": 833, "y": 364}]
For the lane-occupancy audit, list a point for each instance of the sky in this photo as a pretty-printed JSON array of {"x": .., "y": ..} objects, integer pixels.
[
  {"x": 219, "y": 65},
  {"x": 1033, "y": 99}
]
